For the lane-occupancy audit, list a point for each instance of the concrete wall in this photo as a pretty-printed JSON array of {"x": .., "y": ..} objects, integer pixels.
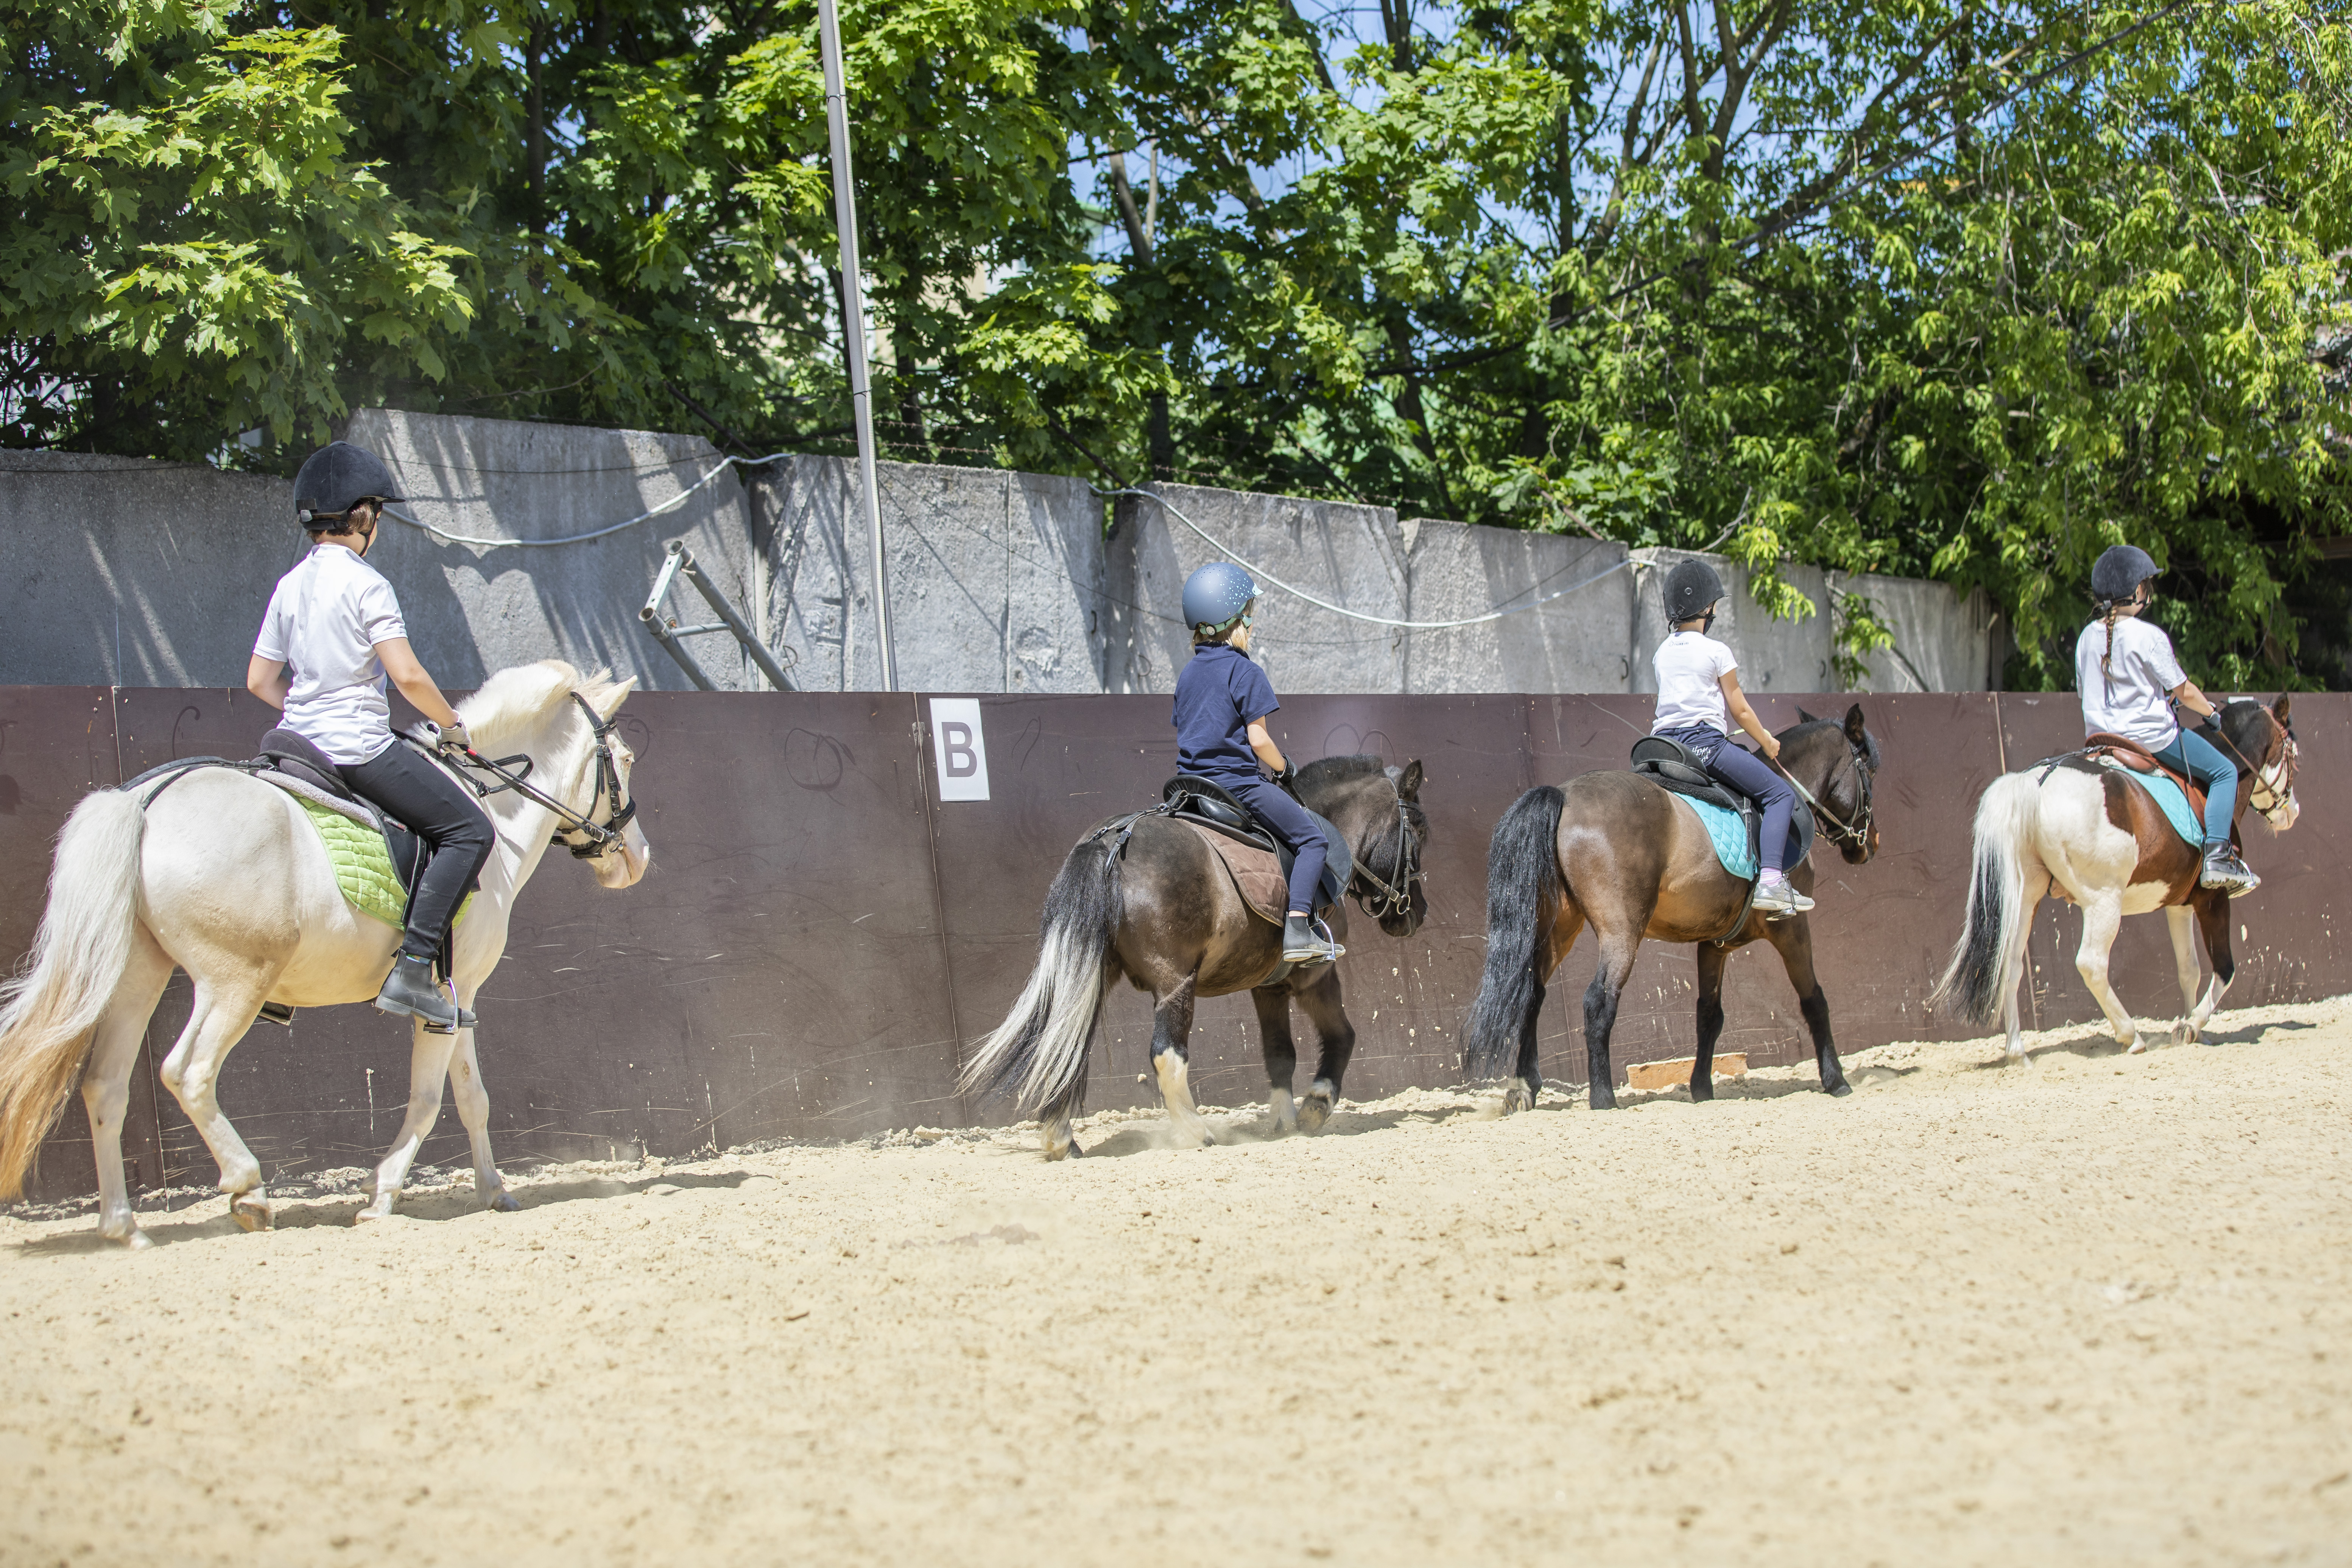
[
  {"x": 996, "y": 578},
  {"x": 118, "y": 572}
]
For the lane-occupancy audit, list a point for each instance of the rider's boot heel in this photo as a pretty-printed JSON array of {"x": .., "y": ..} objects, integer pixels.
[{"x": 409, "y": 990}]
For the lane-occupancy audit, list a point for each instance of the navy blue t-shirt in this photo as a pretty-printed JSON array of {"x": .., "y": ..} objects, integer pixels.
[{"x": 1217, "y": 695}]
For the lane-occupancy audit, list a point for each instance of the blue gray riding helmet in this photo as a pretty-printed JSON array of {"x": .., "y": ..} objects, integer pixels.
[
  {"x": 2118, "y": 573},
  {"x": 1215, "y": 595}
]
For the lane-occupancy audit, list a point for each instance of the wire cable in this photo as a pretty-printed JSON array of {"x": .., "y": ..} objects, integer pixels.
[
  {"x": 1259, "y": 574},
  {"x": 670, "y": 505}
]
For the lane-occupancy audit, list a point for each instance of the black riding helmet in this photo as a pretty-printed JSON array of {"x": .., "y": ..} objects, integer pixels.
[
  {"x": 337, "y": 478},
  {"x": 1690, "y": 588},
  {"x": 2118, "y": 573}
]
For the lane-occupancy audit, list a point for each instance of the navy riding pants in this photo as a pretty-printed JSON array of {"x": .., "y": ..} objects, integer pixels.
[
  {"x": 2215, "y": 774},
  {"x": 440, "y": 810},
  {"x": 1752, "y": 777},
  {"x": 1299, "y": 832}
]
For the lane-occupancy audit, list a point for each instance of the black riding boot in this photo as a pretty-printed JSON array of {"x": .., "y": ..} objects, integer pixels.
[
  {"x": 1302, "y": 942},
  {"x": 409, "y": 989},
  {"x": 2224, "y": 869}
]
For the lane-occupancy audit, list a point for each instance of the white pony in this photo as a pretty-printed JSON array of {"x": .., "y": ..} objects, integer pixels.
[
  {"x": 224, "y": 877},
  {"x": 2082, "y": 832}
]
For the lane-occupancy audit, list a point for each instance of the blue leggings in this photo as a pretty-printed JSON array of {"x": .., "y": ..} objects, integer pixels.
[
  {"x": 1292, "y": 825},
  {"x": 1751, "y": 776},
  {"x": 2215, "y": 774}
]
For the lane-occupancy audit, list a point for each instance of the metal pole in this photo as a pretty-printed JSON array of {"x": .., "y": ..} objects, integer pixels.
[
  {"x": 735, "y": 623},
  {"x": 852, "y": 309}
]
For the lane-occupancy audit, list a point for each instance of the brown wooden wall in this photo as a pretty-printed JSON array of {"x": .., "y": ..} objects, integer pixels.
[{"x": 819, "y": 930}]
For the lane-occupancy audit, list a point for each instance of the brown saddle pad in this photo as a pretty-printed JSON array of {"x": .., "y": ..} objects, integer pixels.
[
  {"x": 2140, "y": 760},
  {"x": 1255, "y": 873}
]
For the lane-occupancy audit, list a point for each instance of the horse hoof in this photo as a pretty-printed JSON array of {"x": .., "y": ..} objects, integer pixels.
[
  {"x": 1516, "y": 1097},
  {"x": 2184, "y": 1034},
  {"x": 1840, "y": 1089},
  {"x": 132, "y": 1240},
  {"x": 252, "y": 1212},
  {"x": 2139, "y": 1046},
  {"x": 380, "y": 1209},
  {"x": 504, "y": 1203},
  {"x": 1314, "y": 1112}
]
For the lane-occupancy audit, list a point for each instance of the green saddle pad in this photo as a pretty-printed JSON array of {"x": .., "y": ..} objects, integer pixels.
[{"x": 363, "y": 866}]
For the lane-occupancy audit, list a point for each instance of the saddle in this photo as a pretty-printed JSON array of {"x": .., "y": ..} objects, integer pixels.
[
  {"x": 1204, "y": 803},
  {"x": 2101, "y": 745},
  {"x": 1675, "y": 768}
]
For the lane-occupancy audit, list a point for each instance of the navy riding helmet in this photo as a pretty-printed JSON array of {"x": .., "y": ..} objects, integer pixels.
[
  {"x": 337, "y": 478},
  {"x": 1215, "y": 595},
  {"x": 2118, "y": 573}
]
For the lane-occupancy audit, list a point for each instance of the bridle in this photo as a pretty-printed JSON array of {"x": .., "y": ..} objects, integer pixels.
[
  {"x": 1395, "y": 891},
  {"x": 2273, "y": 781},
  {"x": 1854, "y": 833},
  {"x": 587, "y": 839}
]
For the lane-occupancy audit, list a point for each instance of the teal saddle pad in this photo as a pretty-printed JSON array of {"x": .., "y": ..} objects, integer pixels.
[
  {"x": 2170, "y": 797},
  {"x": 1730, "y": 834}
]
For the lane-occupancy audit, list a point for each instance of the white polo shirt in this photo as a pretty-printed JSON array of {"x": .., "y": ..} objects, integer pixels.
[
  {"x": 2129, "y": 697},
  {"x": 323, "y": 622},
  {"x": 1691, "y": 667}
]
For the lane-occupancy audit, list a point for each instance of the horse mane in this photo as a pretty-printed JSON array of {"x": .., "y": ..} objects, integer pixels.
[
  {"x": 516, "y": 701},
  {"x": 1869, "y": 740},
  {"x": 1339, "y": 770}
]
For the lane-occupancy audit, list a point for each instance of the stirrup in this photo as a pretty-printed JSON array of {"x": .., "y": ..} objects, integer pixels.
[
  {"x": 2224, "y": 869},
  {"x": 1320, "y": 947}
]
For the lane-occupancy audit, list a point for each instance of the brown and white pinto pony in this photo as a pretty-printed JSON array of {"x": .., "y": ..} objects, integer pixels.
[{"x": 2084, "y": 833}]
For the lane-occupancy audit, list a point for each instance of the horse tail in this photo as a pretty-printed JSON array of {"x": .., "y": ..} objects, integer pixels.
[
  {"x": 1522, "y": 892},
  {"x": 1970, "y": 988},
  {"x": 48, "y": 1011},
  {"x": 1037, "y": 1057}
]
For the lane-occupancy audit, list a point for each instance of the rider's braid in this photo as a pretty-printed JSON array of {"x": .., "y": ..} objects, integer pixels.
[{"x": 2106, "y": 660}]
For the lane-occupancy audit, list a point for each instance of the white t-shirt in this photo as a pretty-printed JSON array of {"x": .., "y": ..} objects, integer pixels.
[
  {"x": 2129, "y": 697},
  {"x": 323, "y": 624},
  {"x": 1691, "y": 667}
]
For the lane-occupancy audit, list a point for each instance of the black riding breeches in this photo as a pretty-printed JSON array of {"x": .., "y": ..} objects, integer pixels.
[{"x": 457, "y": 836}]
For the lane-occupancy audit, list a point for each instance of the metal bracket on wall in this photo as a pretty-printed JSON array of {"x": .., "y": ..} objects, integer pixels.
[{"x": 670, "y": 635}]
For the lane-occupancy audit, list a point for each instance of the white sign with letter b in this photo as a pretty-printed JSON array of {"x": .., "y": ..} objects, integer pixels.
[{"x": 958, "y": 749}]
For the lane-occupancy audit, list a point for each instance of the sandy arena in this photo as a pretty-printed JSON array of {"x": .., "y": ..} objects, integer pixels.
[{"x": 2098, "y": 1311}]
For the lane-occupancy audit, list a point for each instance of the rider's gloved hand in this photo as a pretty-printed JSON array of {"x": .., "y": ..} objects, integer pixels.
[
  {"x": 2211, "y": 723},
  {"x": 452, "y": 738}
]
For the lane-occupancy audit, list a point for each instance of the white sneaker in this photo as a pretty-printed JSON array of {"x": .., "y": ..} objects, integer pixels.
[{"x": 1778, "y": 896}]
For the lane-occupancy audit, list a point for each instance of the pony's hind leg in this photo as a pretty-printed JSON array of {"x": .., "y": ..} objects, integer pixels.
[
  {"x": 1600, "y": 1017},
  {"x": 1171, "y": 1029},
  {"x": 1335, "y": 1040},
  {"x": 106, "y": 1082},
  {"x": 428, "y": 1067},
  {"x": 2103, "y": 917},
  {"x": 474, "y": 1110},
  {"x": 1273, "y": 1005},
  {"x": 225, "y": 1009}
]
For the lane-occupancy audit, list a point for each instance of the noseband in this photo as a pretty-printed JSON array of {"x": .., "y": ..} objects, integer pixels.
[
  {"x": 1854, "y": 833},
  {"x": 580, "y": 833},
  {"x": 2273, "y": 781},
  {"x": 1394, "y": 894}
]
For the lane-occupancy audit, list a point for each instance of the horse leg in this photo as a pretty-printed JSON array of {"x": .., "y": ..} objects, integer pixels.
[
  {"x": 106, "y": 1081},
  {"x": 1793, "y": 938},
  {"x": 1336, "y": 1043},
  {"x": 225, "y": 1009},
  {"x": 2103, "y": 917},
  {"x": 1711, "y": 957},
  {"x": 1601, "y": 1014},
  {"x": 1526, "y": 1074},
  {"x": 474, "y": 1110},
  {"x": 428, "y": 1065},
  {"x": 2212, "y": 908},
  {"x": 2012, "y": 980},
  {"x": 1171, "y": 1032},
  {"x": 1273, "y": 1005},
  {"x": 2179, "y": 925}
]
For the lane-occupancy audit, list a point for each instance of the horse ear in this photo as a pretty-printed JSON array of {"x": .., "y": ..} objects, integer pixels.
[
  {"x": 1803, "y": 716},
  {"x": 2278, "y": 709},
  {"x": 1408, "y": 785},
  {"x": 1854, "y": 729},
  {"x": 608, "y": 701}
]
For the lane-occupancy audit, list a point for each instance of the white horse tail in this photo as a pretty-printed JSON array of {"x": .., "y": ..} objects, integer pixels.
[
  {"x": 1039, "y": 1055},
  {"x": 48, "y": 1011},
  {"x": 1996, "y": 928}
]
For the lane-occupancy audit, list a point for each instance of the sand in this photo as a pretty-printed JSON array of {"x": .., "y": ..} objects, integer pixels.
[{"x": 2095, "y": 1311}]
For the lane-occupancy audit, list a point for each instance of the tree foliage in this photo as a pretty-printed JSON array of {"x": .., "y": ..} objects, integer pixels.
[{"x": 1968, "y": 289}]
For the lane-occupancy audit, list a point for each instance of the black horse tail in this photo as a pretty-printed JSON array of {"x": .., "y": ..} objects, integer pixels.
[
  {"x": 1037, "y": 1057},
  {"x": 1522, "y": 894},
  {"x": 1987, "y": 950}
]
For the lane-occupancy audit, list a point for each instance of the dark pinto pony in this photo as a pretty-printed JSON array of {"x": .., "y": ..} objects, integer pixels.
[
  {"x": 1616, "y": 850},
  {"x": 1166, "y": 916},
  {"x": 2070, "y": 828}
]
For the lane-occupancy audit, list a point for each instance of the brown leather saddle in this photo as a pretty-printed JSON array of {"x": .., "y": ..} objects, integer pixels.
[{"x": 2140, "y": 760}]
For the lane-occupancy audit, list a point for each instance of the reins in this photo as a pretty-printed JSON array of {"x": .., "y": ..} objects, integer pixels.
[
  {"x": 1855, "y": 834},
  {"x": 601, "y": 837},
  {"x": 1395, "y": 894}
]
